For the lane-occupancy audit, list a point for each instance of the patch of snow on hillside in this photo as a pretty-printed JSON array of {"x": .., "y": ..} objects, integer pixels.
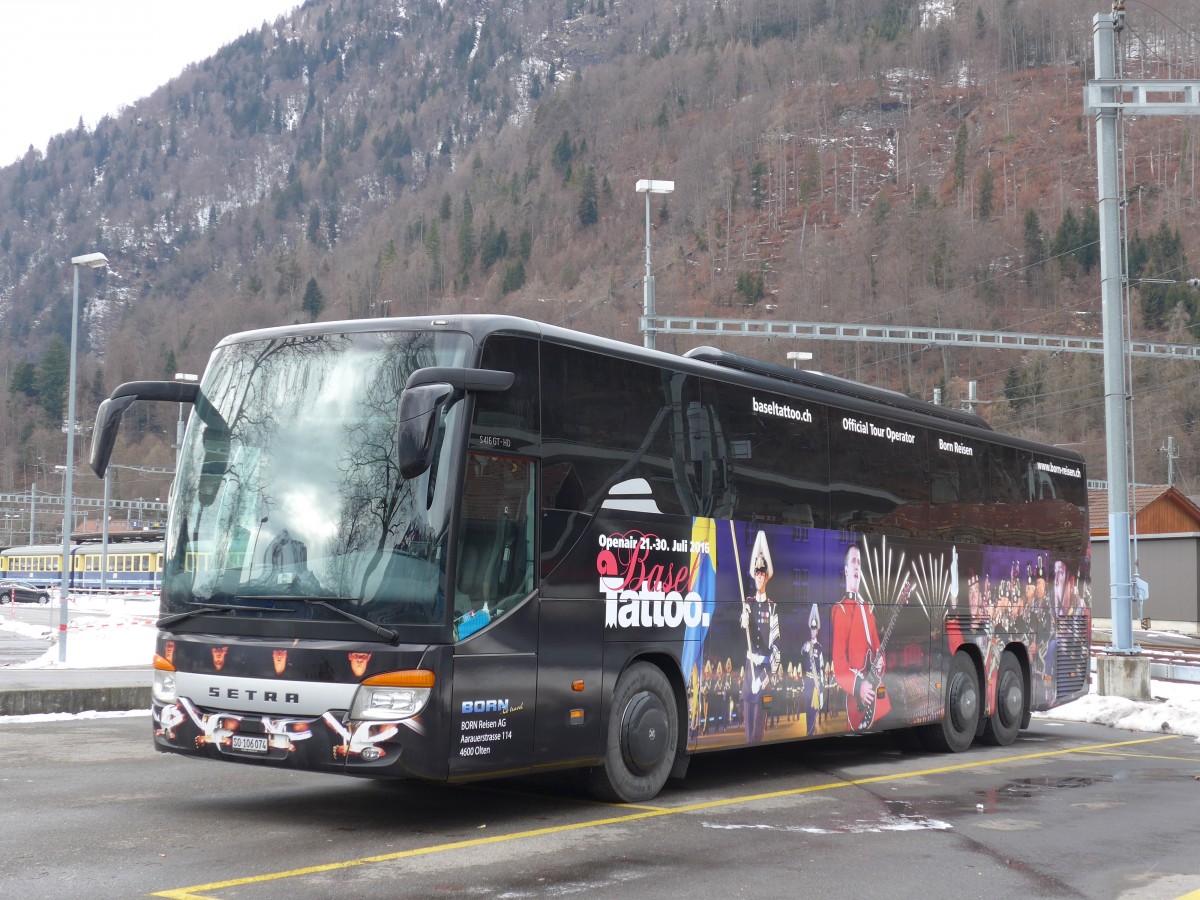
[{"x": 935, "y": 12}]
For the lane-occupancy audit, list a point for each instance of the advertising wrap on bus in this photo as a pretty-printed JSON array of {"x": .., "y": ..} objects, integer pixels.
[
  {"x": 462, "y": 547},
  {"x": 797, "y": 618}
]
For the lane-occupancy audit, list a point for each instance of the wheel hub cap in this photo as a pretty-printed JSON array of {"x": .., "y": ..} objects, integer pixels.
[{"x": 644, "y": 733}]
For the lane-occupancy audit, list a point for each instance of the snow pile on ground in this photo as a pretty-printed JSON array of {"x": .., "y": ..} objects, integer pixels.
[
  {"x": 121, "y": 634},
  {"x": 1175, "y": 709},
  {"x": 96, "y": 643},
  {"x": 26, "y": 630}
]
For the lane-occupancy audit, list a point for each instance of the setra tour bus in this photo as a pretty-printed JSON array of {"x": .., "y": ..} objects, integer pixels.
[{"x": 461, "y": 547}]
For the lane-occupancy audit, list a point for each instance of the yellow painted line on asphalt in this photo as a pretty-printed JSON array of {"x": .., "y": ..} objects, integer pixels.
[
  {"x": 201, "y": 891},
  {"x": 1190, "y": 759}
]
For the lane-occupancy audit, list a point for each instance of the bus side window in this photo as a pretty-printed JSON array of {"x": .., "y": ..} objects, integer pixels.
[{"x": 495, "y": 548}]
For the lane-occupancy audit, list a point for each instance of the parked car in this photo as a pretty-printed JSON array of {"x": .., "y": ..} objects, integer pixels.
[{"x": 23, "y": 592}]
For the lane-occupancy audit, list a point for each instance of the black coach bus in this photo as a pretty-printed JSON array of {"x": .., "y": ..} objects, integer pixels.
[{"x": 451, "y": 548}]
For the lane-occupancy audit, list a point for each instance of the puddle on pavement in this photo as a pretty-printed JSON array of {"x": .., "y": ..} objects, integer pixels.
[{"x": 993, "y": 800}]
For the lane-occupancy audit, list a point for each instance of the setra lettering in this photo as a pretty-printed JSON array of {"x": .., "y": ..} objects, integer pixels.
[{"x": 245, "y": 693}]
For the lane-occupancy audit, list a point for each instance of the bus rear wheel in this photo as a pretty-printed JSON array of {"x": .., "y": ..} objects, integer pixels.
[
  {"x": 956, "y": 732},
  {"x": 1002, "y": 728},
  {"x": 643, "y": 731}
]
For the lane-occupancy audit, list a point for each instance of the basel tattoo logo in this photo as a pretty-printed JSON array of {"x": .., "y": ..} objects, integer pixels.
[{"x": 640, "y": 595}]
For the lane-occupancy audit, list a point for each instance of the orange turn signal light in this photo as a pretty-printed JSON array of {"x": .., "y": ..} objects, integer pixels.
[
  {"x": 162, "y": 664},
  {"x": 411, "y": 678}
]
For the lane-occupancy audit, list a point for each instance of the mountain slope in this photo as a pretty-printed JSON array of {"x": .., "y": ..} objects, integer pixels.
[{"x": 885, "y": 160}]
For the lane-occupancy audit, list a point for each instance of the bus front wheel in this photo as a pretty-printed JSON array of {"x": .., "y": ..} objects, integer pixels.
[
  {"x": 960, "y": 718},
  {"x": 1002, "y": 728},
  {"x": 643, "y": 731}
]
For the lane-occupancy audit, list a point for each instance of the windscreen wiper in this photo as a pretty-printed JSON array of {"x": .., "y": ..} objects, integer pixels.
[
  {"x": 207, "y": 607},
  {"x": 386, "y": 633}
]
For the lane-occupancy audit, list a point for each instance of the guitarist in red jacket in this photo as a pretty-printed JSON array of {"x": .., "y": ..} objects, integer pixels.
[{"x": 858, "y": 663}]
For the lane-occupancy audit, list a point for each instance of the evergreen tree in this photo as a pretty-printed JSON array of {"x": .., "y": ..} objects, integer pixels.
[
  {"x": 987, "y": 193},
  {"x": 1161, "y": 255},
  {"x": 22, "y": 379},
  {"x": 314, "y": 224},
  {"x": 758, "y": 190},
  {"x": 96, "y": 393},
  {"x": 562, "y": 153},
  {"x": 493, "y": 244},
  {"x": 514, "y": 277},
  {"x": 1013, "y": 391},
  {"x": 433, "y": 249},
  {"x": 1066, "y": 244},
  {"x": 750, "y": 285},
  {"x": 50, "y": 382},
  {"x": 314, "y": 300},
  {"x": 466, "y": 236},
  {"x": 589, "y": 209}
]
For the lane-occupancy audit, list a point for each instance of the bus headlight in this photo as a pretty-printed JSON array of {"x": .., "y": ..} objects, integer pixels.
[
  {"x": 163, "y": 688},
  {"x": 392, "y": 695}
]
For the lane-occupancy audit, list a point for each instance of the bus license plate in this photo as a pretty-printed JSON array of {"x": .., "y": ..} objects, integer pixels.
[{"x": 249, "y": 744}]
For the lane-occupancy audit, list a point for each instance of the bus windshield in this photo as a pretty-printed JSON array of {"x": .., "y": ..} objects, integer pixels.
[{"x": 289, "y": 504}]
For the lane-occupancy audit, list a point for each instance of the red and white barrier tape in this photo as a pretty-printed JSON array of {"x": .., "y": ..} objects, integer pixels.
[{"x": 82, "y": 626}]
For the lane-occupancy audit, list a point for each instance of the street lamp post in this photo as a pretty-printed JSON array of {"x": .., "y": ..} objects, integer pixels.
[
  {"x": 647, "y": 186},
  {"x": 92, "y": 261},
  {"x": 104, "y": 534}
]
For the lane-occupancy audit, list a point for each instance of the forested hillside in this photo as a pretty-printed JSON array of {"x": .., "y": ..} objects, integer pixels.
[{"x": 888, "y": 161}]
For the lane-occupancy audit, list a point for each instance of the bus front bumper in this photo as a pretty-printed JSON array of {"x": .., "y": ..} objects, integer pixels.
[{"x": 329, "y": 742}]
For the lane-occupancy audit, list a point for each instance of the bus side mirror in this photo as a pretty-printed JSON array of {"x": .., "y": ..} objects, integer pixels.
[
  {"x": 108, "y": 423},
  {"x": 108, "y": 416},
  {"x": 420, "y": 409},
  {"x": 425, "y": 393}
]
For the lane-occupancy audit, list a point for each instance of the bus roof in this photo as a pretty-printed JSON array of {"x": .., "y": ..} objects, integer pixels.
[{"x": 833, "y": 384}]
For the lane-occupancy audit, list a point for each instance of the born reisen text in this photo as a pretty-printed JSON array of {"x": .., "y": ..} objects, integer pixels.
[{"x": 955, "y": 447}]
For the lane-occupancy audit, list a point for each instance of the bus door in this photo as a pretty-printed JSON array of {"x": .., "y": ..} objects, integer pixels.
[{"x": 495, "y": 618}]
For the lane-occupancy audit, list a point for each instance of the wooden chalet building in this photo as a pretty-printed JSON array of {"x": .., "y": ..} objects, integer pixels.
[{"x": 1166, "y": 525}]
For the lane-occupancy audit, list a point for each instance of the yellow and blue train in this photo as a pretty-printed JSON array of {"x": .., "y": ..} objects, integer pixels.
[{"x": 132, "y": 564}]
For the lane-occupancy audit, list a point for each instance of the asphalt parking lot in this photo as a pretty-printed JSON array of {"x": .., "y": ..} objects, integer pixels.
[{"x": 1068, "y": 811}]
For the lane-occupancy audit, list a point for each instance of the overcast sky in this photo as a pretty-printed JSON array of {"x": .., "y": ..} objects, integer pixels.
[{"x": 62, "y": 59}]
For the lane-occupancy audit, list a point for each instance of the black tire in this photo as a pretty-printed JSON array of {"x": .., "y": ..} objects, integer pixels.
[
  {"x": 643, "y": 732},
  {"x": 956, "y": 732},
  {"x": 43, "y": 599},
  {"x": 1002, "y": 728}
]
